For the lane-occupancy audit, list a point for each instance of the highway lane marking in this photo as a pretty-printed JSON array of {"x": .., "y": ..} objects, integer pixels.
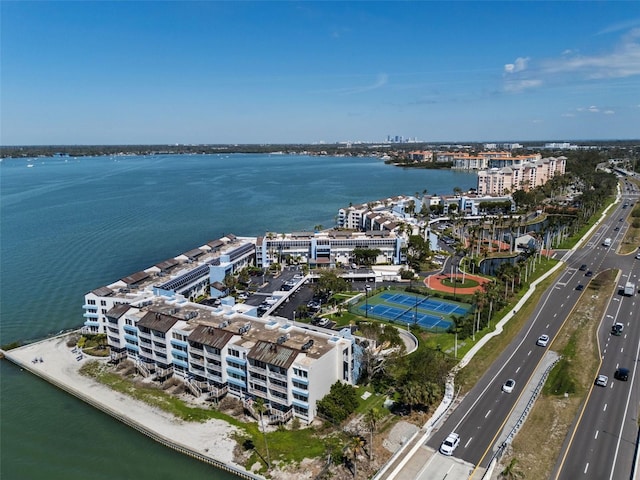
[
  {"x": 586, "y": 468},
  {"x": 622, "y": 350},
  {"x": 605, "y": 408},
  {"x": 596, "y": 436},
  {"x": 467, "y": 444},
  {"x": 548, "y": 325},
  {"x": 604, "y": 351},
  {"x": 529, "y": 353},
  {"x": 517, "y": 369},
  {"x": 487, "y": 414}
]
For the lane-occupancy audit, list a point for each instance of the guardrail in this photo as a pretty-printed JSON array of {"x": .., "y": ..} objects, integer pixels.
[{"x": 503, "y": 446}]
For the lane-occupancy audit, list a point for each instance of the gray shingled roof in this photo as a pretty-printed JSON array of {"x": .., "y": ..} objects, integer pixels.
[
  {"x": 211, "y": 336},
  {"x": 273, "y": 354},
  {"x": 157, "y": 321},
  {"x": 118, "y": 310}
]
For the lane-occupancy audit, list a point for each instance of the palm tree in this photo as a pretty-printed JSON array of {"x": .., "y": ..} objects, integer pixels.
[
  {"x": 510, "y": 472},
  {"x": 357, "y": 442},
  {"x": 372, "y": 417},
  {"x": 260, "y": 407}
]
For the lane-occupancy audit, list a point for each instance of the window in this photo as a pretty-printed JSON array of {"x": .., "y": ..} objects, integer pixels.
[
  {"x": 234, "y": 353},
  {"x": 91, "y": 302},
  {"x": 128, "y": 321},
  {"x": 103, "y": 303}
]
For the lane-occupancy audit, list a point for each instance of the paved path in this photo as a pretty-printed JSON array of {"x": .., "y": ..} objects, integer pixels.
[{"x": 435, "y": 282}]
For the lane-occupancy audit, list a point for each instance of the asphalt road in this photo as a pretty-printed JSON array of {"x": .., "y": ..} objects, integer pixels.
[
  {"x": 482, "y": 414},
  {"x": 603, "y": 443}
]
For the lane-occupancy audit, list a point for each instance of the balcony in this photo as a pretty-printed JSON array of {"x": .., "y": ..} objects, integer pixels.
[
  {"x": 254, "y": 368},
  {"x": 146, "y": 336},
  {"x": 277, "y": 376},
  {"x": 197, "y": 361},
  {"x": 278, "y": 388}
]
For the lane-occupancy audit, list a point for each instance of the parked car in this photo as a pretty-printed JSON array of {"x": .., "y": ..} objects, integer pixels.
[
  {"x": 543, "y": 340},
  {"x": 622, "y": 374},
  {"x": 509, "y": 385},
  {"x": 450, "y": 444},
  {"x": 602, "y": 380}
]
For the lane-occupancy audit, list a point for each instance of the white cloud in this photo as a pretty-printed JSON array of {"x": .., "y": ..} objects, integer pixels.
[
  {"x": 609, "y": 112},
  {"x": 568, "y": 115},
  {"x": 518, "y": 66},
  {"x": 616, "y": 27},
  {"x": 623, "y": 61},
  {"x": 515, "y": 86},
  {"x": 381, "y": 80},
  {"x": 593, "y": 109}
]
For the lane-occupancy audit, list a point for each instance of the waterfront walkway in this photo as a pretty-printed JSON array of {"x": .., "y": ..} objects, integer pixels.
[{"x": 58, "y": 364}]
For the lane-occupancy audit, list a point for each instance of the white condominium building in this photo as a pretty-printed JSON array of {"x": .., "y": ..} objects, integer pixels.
[
  {"x": 220, "y": 351},
  {"x": 353, "y": 216},
  {"x": 498, "y": 181},
  {"x": 189, "y": 275},
  {"x": 328, "y": 248}
]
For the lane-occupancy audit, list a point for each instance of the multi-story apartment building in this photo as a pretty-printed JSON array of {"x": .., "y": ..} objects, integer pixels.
[
  {"x": 328, "y": 248},
  {"x": 484, "y": 160},
  {"x": 189, "y": 274},
  {"x": 353, "y": 216},
  {"x": 220, "y": 351},
  {"x": 498, "y": 181},
  {"x": 420, "y": 156}
]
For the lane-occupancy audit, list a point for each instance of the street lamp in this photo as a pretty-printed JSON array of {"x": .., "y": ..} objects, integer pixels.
[{"x": 366, "y": 304}]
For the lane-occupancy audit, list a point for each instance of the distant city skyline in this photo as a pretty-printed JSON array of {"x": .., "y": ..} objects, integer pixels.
[{"x": 94, "y": 73}]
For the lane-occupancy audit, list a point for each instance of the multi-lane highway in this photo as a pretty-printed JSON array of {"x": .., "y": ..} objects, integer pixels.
[
  {"x": 482, "y": 414},
  {"x": 603, "y": 444}
]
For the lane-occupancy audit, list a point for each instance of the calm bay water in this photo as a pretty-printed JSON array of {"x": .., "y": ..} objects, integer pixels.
[{"x": 69, "y": 225}]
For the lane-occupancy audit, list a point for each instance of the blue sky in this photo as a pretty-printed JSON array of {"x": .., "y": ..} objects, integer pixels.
[{"x": 289, "y": 72}]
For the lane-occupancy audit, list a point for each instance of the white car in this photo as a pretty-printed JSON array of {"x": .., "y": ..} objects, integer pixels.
[
  {"x": 509, "y": 385},
  {"x": 450, "y": 444},
  {"x": 602, "y": 380},
  {"x": 543, "y": 340}
]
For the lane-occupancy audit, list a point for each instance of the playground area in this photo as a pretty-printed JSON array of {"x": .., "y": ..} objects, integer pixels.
[{"x": 399, "y": 307}]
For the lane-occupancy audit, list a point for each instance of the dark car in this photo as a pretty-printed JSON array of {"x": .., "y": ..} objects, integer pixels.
[
  {"x": 583, "y": 267},
  {"x": 622, "y": 374},
  {"x": 588, "y": 274},
  {"x": 580, "y": 287}
]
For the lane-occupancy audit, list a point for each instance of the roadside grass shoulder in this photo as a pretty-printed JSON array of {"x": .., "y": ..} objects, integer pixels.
[
  {"x": 556, "y": 409},
  {"x": 470, "y": 374},
  {"x": 571, "y": 241}
]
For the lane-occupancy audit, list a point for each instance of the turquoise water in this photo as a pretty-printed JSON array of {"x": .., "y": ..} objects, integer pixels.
[{"x": 69, "y": 225}]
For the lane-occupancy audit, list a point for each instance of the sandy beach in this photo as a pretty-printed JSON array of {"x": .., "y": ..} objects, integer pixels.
[{"x": 59, "y": 365}]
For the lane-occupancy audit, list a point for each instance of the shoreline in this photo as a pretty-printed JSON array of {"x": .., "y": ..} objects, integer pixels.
[{"x": 53, "y": 361}]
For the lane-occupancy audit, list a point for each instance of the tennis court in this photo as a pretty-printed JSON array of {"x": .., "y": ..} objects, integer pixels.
[
  {"x": 425, "y": 303},
  {"x": 428, "y": 312}
]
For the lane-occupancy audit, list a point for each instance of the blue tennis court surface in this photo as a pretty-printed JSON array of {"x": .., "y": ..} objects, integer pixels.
[
  {"x": 402, "y": 315},
  {"x": 425, "y": 303},
  {"x": 428, "y": 312}
]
